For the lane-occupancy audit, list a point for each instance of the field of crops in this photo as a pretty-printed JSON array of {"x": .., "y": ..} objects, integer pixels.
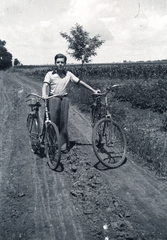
[
  {"x": 145, "y": 83},
  {"x": 139, "y": 105},
  {"x": 124, "y": 71}
]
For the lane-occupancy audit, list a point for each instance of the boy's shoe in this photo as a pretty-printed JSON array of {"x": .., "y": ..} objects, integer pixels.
[{"x": 64, "y": 148}]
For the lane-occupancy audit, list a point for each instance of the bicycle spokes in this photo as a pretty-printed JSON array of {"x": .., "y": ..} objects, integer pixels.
[
  {"x": 108, "y": 143},
  {"x": 33, "y": 129},
  {"x": 52, "y": 145}
]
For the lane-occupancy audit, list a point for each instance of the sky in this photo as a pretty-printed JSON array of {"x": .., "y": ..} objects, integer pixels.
[{"x": 133, "y": 30}]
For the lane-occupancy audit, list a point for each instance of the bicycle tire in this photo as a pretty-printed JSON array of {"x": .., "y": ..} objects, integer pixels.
[
  {"x": 52, "y": 144},
  {"x": 33, "y": 130},
  {"x": 109, "y": 143}
]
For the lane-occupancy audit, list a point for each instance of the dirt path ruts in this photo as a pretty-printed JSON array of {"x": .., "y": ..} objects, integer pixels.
[
  {"x": 30, "y": 191},
  {"x": 136, "y": 187}
]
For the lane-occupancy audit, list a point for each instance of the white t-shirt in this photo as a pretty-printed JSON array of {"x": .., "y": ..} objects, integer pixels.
[{"x": 58, "y": 85}]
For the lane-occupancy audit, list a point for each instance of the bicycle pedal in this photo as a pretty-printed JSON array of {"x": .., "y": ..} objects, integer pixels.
[{"x": 42, "y": 145}]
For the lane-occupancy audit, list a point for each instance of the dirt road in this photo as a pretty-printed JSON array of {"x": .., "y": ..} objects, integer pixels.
[{"x": 82, "y": 198}]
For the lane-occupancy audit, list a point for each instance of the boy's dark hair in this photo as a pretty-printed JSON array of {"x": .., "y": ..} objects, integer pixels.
[{"x": 60, "y": 55}]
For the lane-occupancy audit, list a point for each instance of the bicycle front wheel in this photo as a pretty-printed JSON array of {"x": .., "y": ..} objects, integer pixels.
[
  {"x": 109, "y": 143},
  {"x": 33, "y": 130},
  {"x": 53, "y": 148}
]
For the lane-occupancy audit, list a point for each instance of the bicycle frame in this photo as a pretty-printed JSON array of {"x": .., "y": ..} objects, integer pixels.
[
  {"x": 35, "y": 107},
  {"x": 108, "y": 138},
  {"x": 97, "y": 104},
  {"x": 107, "y": 115},
  {"x": 96, "y": 110},
  {"x": 46, "y": 138}
]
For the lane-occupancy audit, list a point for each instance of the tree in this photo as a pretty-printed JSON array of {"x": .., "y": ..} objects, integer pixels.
[
  {"x": 82, "y": 46},
  {"x": 16, "y": 62},
  {"x": 5, "y": 56}
]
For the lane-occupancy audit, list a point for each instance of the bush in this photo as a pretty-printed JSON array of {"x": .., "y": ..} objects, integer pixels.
[{"x": 143, "y": 96}]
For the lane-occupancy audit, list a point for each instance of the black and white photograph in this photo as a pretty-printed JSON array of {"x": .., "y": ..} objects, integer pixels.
[{"x": 83, "y": 120}]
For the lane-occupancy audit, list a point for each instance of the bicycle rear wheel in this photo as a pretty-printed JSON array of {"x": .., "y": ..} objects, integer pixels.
[
  {"x": 109, "y": 143},
  {"x": 33, "y": 130},
  {"x": 53, "y": 148}
]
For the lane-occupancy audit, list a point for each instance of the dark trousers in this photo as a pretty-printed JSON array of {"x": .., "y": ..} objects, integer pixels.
[{"x": 58, "y": 108}]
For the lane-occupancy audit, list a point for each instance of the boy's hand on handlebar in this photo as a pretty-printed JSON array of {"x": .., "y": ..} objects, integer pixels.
[
  {"x": 44, "y": 96},
  {"x": 97, "y": 91}
]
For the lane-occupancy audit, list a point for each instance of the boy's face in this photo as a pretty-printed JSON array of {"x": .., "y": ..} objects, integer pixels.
[{"x": 60, "y": 64}]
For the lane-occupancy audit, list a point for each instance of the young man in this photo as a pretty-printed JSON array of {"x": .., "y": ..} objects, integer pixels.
[{"x": 55, "y": 83}]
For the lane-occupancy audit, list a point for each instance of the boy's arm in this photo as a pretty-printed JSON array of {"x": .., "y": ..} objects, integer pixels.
[
  {"x": 45, "y": 89},
  {"x": 88, "y": 87}
]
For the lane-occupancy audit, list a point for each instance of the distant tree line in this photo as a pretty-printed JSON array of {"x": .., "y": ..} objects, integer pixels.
[
  {"x": 16, "y": 62},
  {"x": 6, "y": 57}
]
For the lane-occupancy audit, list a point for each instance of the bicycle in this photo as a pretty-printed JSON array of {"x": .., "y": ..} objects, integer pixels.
[
  {"x": 48, "y": 137},
  {"x": 108, "y": 138}
]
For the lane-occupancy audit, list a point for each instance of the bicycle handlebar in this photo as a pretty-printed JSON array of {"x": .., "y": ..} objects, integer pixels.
[
  {"x": 93, "y": 94},
  {"x": 108, "y": 90},
  {"x": 36, "y": 95}
]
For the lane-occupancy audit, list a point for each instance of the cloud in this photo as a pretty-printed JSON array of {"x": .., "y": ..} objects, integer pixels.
[
  {"x": 81, "y": 12},
  {"x": 46, "y": 23},
  {"x": 131, "y": 31},
  {"x": 157, "y": 22}
]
